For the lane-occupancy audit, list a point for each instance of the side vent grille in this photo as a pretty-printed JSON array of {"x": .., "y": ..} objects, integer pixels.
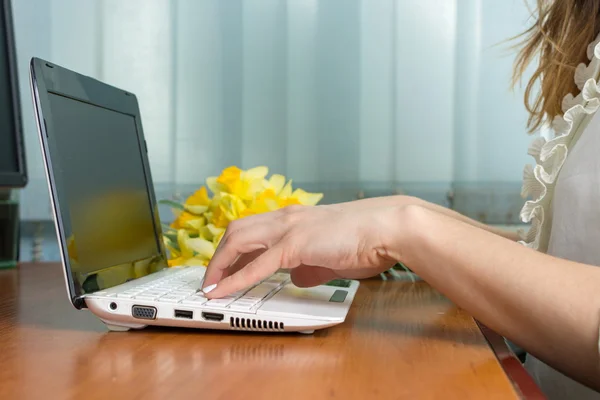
[{"x": 251, "y": 324}]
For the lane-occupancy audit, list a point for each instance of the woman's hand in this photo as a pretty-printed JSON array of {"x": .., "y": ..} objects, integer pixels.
[{"x": 317, "y": 244}]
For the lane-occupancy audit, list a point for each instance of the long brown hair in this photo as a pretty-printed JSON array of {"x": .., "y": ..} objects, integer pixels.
[{"x": 559, "y": 36}]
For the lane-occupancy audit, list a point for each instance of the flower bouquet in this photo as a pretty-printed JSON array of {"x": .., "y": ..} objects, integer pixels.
[{"x": 201, "y": 220}]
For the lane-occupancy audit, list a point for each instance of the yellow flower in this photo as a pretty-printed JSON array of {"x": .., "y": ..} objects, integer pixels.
[
  {"x": 305, "y": 198},
  {"x": 230, "y": 179},
  {"x": 228, "y": 208},
  {"x": 196, "y": 248},
  {"x": 287, "y": 197},
  {"x": 264, "y": 202},
  {"x": 175, "y": 262},
  {"x": 275, "y": 183},
  {"x": 243, "y": 184},
  {"x": 182, "y": 219},
  {"x": 179, "y": 261},
  {"x": 210, "y": 232},
  {"x": 199, "y": 198}
]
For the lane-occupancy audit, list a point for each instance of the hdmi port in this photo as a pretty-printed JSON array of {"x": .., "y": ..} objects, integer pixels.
[
  {"x": 211, "y": 316},
  {"x": 184, "y": 314}
]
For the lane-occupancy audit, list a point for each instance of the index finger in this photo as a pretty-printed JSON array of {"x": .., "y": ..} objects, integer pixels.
[
  {"x": 236, "y": 244},
  {"x": 260, "y": 268}
]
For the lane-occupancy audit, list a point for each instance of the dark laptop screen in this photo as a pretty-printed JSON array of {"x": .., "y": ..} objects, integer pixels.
[{"x": 103, "y": 184}]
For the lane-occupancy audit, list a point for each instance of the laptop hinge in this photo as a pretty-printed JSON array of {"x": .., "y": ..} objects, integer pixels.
[{"x": 79, "y": 302}]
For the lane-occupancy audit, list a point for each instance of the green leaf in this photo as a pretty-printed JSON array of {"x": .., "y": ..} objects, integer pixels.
[
  {"x": 171, "y": 236},
  {"x": 167, "y": 228},
  {"x": 173, "y": 204}
]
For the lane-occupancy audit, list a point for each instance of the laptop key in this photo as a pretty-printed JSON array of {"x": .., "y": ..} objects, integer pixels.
[
  {"x": 218, "y": 303},
  {"x": 195, "y": 286},
  {"x": 183, "y": 292},
  {"x": 170, "y": 286},
  {"x": 171, "y": 299},
  {"x": 154, "y": 293},
  {"x": 240, "y": 307},
  {"x": 246, "y": 300},
  {"x": 145, "y": 297},
  {"x": 130, "y": 292},
  {"x": 194, "y": 301},
  {"x": 260, "y": 291}
]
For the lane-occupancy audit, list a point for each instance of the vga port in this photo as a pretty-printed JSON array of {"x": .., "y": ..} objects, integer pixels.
[{"x": 143, "y": 312}]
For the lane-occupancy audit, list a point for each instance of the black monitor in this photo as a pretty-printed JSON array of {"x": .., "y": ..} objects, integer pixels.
[{"x": 13, "y": 172}]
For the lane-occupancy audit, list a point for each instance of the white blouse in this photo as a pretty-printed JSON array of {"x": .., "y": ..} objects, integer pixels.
[{"x": 564, "y": 205}]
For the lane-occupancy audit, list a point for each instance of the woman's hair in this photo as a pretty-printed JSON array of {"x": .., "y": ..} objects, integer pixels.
[{"x": 559, "y": 37}]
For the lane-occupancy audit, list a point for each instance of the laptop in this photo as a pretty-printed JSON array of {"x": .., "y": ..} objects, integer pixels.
[{"x": 109, "y": 230}]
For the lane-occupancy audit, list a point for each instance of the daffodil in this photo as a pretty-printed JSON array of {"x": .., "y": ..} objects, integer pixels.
[
  {"x": 242, "y": 184},
  {"x": 287, "y": 196},
  {"x": 199, "y": 198},
  {"x": 276, "y": 183},
  {"x": 306, "y": 199},
  {"x": 200, "y": 221},
  {"x": 183, "y": 219}
]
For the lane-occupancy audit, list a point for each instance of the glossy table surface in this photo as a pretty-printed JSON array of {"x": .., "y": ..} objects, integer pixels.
[{"x": 401, "y": 340}]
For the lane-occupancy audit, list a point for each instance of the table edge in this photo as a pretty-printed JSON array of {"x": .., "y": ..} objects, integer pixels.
[{"x": 512, "y": 366}]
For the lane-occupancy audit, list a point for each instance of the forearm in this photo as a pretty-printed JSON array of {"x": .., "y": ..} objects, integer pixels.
[
  {"x": 514, "y": 236},
  {"x": 391, "y": 201},
  {"x": 550, "y": 307}
]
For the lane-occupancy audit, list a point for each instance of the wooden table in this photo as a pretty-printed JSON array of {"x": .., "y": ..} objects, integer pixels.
[{"x": 401, "y": 340}]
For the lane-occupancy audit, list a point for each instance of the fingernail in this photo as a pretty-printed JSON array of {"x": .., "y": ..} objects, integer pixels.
[{"x": 209, "y": 289}]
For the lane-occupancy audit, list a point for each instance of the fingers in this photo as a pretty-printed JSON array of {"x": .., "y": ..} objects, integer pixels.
[
  {"x": 247, "y": 222},
  {"x": 308, "y": 276},
  {"x": 260, "y": 268},
  {"x": 241, "y": 262},
  {"x": 237, "y": 242},
  {"x": 247, "y": 235},
  {"x": 255, "y": 220}
]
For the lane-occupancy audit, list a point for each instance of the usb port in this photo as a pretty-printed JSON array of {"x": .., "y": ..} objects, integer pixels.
[
  {"x": 184, "y": 314},
  {"x": 209, "y": 316}
]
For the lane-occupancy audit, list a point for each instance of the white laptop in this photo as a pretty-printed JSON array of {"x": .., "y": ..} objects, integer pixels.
[{"x": 109, "y": 230}]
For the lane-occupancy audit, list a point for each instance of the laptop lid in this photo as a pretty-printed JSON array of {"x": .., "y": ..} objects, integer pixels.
[{"x": 99, "y": 179}]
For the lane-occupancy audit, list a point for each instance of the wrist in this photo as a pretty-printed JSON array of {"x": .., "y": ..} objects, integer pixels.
[
  {"x": 383, "y": 201},
  {"x": 405, "y": 226}
]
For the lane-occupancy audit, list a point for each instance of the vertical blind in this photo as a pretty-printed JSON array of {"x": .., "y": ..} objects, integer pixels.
[{"x": 336, "y": 94}]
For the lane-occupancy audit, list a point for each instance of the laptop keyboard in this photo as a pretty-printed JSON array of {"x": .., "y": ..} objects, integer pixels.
[{"x": 182, "y": 286}]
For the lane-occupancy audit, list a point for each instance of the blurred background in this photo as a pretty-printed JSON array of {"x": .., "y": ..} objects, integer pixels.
[{"x": 352, "y": 98}]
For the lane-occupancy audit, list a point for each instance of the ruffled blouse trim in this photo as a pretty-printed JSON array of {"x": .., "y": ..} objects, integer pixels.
[{"x": 550, "y": 155}]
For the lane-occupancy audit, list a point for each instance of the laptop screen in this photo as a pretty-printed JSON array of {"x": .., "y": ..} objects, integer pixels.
[{"x": 112, "y": 237}]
